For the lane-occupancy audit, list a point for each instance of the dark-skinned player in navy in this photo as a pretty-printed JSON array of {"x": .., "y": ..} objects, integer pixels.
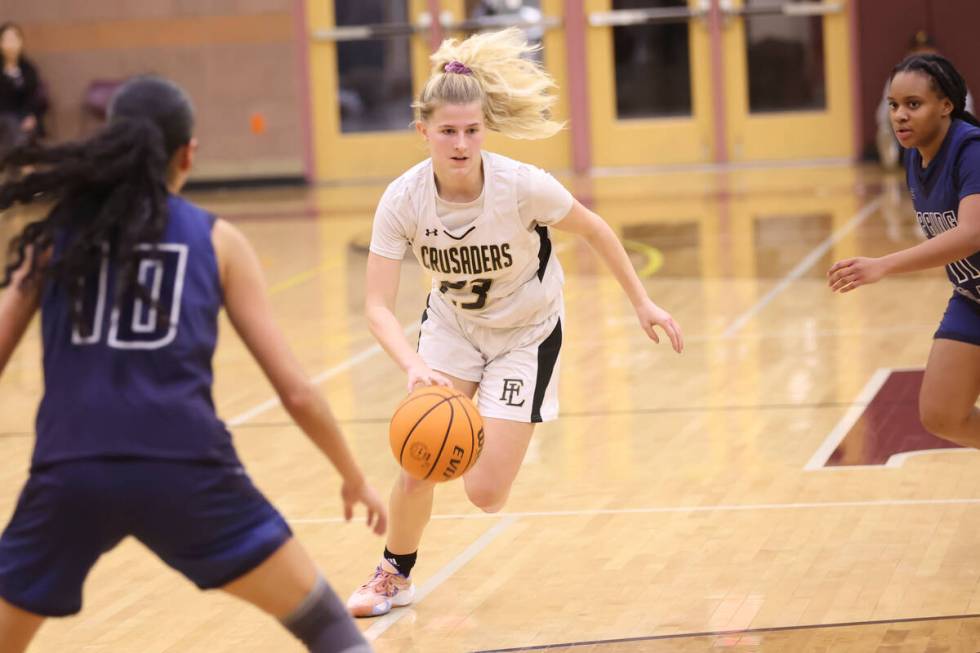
[
  {"x": 130, "y": 279},
  {"x": 927, "y": 99}
]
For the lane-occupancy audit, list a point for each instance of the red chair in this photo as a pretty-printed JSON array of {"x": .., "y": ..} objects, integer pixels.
[{"x": 97, "y": 96}]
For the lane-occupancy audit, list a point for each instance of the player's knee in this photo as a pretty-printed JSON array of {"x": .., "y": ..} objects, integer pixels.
[
  {"x": 938, "y": 419},
  {"x": 414, "y": 486},
  {"x": 487, "y": 496},
  {"x": 491, "y": 507}
]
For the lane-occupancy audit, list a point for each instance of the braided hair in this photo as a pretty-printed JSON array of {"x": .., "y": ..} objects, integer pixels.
[
  {"x": 108, "y": 194},
  {"x": 946, "y": 81}
]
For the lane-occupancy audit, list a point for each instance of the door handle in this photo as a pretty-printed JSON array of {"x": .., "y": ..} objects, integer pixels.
[
  {"x": 813, "y": 9},
  {"x": 795, "y": 9},
  {"x": 651, "y": 16},
  {"x": 498, "y": 22},
  {"x": 371, "y": 31}
]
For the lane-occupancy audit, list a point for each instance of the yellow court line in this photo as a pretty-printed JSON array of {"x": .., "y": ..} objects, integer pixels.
[
  {"x": 655, "y": 258},
  {"x": 300, "y": 278}
]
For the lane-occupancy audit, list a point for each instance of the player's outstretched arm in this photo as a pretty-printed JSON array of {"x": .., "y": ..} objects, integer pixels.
[
  {"x": 248, "y": 308},
  {"x": 957, "y": 243},
  {"x": 379, "y": 305},
  {"x": 17, "y": 307},
  {"x": 603, "y": 240}
]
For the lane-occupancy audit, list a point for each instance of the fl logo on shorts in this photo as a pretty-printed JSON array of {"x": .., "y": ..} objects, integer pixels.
[{"x": 512, "y": 390}]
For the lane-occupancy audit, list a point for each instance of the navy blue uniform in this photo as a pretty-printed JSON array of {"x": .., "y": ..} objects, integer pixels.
[
  {"x": 128, "y": 442},
  {"x": 936, "y": 190}
]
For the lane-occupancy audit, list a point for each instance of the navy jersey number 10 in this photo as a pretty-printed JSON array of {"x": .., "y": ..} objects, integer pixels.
[{"x": 136, "y": 324}]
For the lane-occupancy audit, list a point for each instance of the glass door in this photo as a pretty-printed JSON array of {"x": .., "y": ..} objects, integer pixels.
[
  {"x": 367, "y": 60},
  {"x": 787, "y": 72},
  {"x": 649, "y": 82}
]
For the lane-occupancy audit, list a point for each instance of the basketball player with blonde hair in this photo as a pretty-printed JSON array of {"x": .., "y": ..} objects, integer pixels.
[{"x": 480, "y": 223}]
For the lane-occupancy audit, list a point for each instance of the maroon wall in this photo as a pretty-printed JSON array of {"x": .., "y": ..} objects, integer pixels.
[
  {"x": 237, "y": 59},
  {"x": 885, "y": 28}
]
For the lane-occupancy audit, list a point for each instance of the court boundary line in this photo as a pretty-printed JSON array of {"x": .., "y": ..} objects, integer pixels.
[
  {"x": 666, "y": 510},
  {"x": 317, "y": 379},
  {"x": 895, "y": 461},
  {"x": 837, "y": 434},
  {"x": 662, "y": 410},
  {"x": 821, "y": 405},
  {"x": 818, "y": 462},
  {"x": 725, "y": 633},
  {"x": 730, "y": 166},
  {"x": 787, "y": 334},
  {"x": 803, "y": 266},
  {"x": 378, "y": 628}
]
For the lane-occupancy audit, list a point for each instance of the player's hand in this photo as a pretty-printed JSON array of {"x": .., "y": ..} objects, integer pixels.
[
  {"x": 651, "y": 315},
  {"x": 422, "y": 374},
  {"x": 846, "y": 275},
  {"x": 360, "y": 492}
]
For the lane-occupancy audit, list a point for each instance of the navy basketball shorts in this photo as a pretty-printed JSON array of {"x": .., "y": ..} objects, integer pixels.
[
  {"x": 207, "y": 521},
  {"x": 961, "y": 321}
]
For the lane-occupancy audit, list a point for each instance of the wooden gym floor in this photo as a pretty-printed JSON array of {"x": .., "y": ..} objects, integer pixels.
[{"x": 768, "y": 490}]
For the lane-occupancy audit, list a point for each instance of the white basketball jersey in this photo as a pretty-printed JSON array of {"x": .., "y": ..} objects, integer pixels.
[{"x": 500, "y": 270}]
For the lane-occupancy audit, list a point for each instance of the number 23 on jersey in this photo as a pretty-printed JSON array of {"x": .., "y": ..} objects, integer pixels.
[{"x": 479, "y": 287}]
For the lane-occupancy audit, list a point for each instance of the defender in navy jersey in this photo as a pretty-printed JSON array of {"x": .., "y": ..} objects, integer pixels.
[
  {"x": 130, "y": 279},
  {"x": 481, "y": 224},
  {"x": 927, "y": 101}
]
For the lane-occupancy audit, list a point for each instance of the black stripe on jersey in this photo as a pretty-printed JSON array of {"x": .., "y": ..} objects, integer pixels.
[
  {"x": 547, "y": 358},
  {"x": 544, "y": 251},
  {"x": 425, "y": 316}
]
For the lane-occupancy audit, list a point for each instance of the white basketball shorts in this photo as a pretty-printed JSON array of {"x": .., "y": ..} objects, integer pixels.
[{"x": 516, "y": 368}]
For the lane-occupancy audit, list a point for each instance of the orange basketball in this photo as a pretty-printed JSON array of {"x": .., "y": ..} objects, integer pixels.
[{"x": 436, "y": 434}]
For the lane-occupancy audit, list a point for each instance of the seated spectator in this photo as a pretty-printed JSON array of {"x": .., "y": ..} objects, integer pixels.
[{"x": 22, "y": 99}]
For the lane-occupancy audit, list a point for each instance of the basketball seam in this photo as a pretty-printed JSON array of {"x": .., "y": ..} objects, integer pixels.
[
  {"x": 409, "y": 400},
  {"x": 472, "y": 438},
  {"x": 408, "y": 436},
  {"x": 445, "y": 438}
]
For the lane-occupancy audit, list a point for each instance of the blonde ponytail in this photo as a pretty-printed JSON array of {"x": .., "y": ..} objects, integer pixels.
[{"x": 517, "y": 94}]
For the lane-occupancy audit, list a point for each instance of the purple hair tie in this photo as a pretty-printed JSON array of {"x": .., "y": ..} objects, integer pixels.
[{"x": 457, "y": 67}]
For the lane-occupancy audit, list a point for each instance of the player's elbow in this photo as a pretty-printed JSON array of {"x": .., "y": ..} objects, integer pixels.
[
  {"x": 372, "y": 309},
  {"x": 300, "y": 400}
]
